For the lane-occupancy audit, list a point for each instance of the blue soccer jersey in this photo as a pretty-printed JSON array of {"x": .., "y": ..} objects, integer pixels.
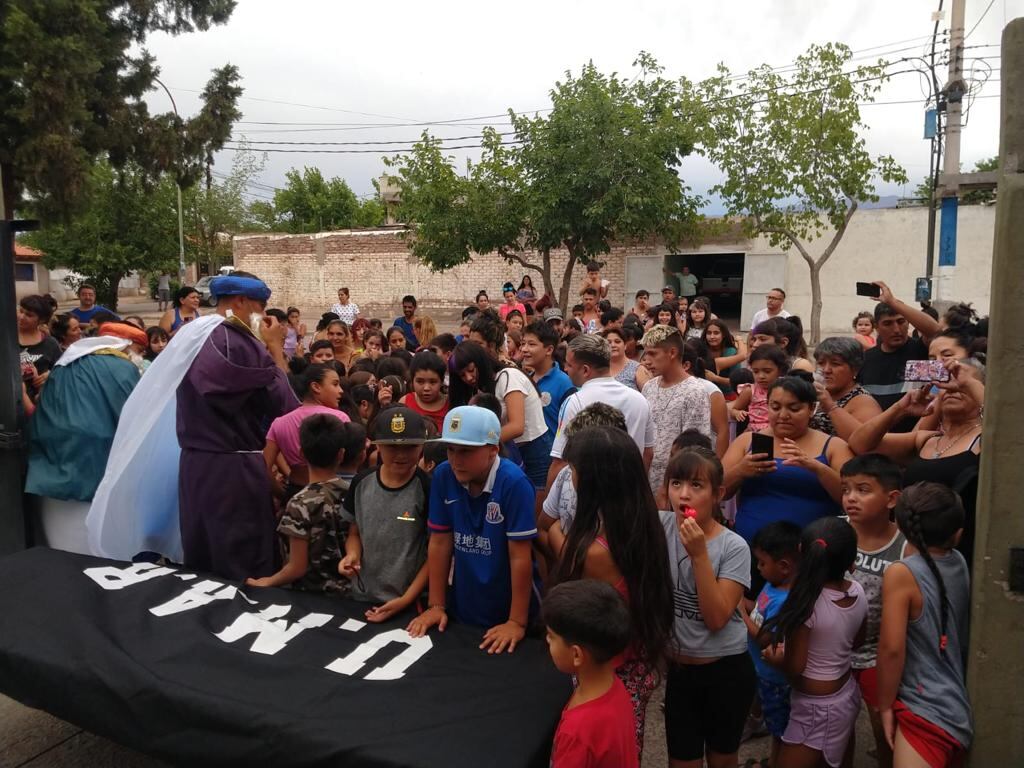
[{"x": 481, "y": 527}]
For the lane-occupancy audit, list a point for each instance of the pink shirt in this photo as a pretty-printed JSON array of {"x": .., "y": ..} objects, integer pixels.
[
  {"x": 505, "y": 308},
  {"x": 833, "y": 630},
  {"x": 284, "y": 431},
  {"x": 757, "y": 411}
]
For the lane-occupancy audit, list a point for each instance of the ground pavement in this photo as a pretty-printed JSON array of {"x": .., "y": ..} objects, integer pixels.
[{"x": 30, "y": 738}]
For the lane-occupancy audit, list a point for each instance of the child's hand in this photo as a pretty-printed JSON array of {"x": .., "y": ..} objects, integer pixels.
[
  {"x": 693, "y": 537},
  {"x": 264, "y": 582},
  {"x": 434, "y": 616},
  {"x": 507, "y": 635},
  {"x": 889, "y": 726},
  {"x": 774, "y": 654},
  {"x": 380, "y": 613},
  {"x": 739, "y": 415},
  {"x": 385, "y": 394},
  {"x": 349, "y": 566}
]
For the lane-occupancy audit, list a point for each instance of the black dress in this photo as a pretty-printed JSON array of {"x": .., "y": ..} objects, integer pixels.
[{"x": 959, "y": 472}]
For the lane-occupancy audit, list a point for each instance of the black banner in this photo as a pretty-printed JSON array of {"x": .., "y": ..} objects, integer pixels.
[{"x": 191, "y": 669}]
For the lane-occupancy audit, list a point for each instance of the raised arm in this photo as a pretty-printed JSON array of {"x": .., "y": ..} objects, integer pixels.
[
  {"x": 926, "y": 324},
  {"x": 875, "y": 435}
]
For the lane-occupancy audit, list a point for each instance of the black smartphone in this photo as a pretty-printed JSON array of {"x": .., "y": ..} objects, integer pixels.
[
  {"x": 869, "y": 289},
  {"x": 762, "y": 444}
]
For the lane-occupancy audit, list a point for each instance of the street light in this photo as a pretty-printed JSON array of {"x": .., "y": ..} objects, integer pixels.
[{"x": 177, "y": 184}]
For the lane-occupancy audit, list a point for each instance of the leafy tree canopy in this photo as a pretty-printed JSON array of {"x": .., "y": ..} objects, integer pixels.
[
  {"x": 602, "y": 165},
  {"x": 311, "y": 203},
  {"x": 72, "y": 77},
  {"x": 792, "y": 148}
]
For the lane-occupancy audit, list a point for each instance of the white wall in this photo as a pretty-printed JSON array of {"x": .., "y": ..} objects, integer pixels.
[{"x": 891, "y": 245}]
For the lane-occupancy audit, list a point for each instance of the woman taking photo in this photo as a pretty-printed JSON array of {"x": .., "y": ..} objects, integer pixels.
[
  {"x": 476, "y": 368},
  {"x": 184, "y": 309},
  {"x": 727, "y": 352},
  {"x": 799, "y": 482},
  {"x": 624, "y": 370},
  {"x": 950, "y": 453},
  {"x": 843, "y": 405}
]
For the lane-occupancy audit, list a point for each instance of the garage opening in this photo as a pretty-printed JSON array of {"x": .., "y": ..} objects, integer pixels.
[{"x": 720, "y": 277}]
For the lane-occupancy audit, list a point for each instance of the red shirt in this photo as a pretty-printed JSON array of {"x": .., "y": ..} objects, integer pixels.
[
  {"x": 409, "y": 401},
  {"x": 598, "y": 734}
]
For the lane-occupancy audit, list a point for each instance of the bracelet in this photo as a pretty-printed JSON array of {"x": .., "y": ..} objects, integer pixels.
[
  {"x": 517, "y": 623},
  {"x": 439, "y": 607}
]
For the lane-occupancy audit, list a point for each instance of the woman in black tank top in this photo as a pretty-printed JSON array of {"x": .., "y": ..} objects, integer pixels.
[{"x": 946, "y": 450}]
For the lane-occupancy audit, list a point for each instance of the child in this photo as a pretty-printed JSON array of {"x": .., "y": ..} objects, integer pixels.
[
  {"x": 481, "y": 507},
  {"x": 355, "y": 454},
  {"x": 768, "y": 362},
  {"x": 588, "y": 627},
  {"x": 320, "y": 389},
  {"x": 822, "y": 620},
  {"x": 776, "y": 547},
  {"x": 922, "y": 695},
  {"x": 427, "y": 397},
  {"x": 710, "y": 680},
  {"x": 311, "y": 524},
  {"x": 863, "y": 328},
  {"x": 158, "y": 339},
  {"x": 871, "y": 486},
  {"x": 386, "y": 507},
  {"x": 434, "y": 452}
]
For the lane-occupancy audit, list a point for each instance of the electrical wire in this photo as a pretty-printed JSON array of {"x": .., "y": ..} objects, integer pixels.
[{"x": 982, "y": 18}]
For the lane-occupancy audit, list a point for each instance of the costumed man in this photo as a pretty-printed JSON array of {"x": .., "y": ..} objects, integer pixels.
[
  {"x": 73, "y": 428},
  {"x": 204, "y": 498},
  {"x": 235, "y": 387}
]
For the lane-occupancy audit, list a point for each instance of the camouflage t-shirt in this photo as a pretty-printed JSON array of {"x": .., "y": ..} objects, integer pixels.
[{"x": 314, "y": 514}]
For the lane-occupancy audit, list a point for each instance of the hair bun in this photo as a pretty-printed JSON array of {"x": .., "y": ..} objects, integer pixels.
[{"x": 803, "y": 375}]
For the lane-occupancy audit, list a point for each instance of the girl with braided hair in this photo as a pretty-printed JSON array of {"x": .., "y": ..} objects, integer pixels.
[
  {"x": 812, "y": 638},
  {"x": 922, "y": 694}
]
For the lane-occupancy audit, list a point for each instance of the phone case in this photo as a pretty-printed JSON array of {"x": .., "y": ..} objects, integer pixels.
[{"x": 925, "y": 371}]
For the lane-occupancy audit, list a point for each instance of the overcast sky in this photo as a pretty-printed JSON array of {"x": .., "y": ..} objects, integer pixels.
[{"x": 405, "y": 62}]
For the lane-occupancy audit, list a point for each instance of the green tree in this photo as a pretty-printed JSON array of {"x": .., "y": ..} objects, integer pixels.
[
  {"x": 792, "y": 150},
  {"x": 128, "y": 224},
  {"x": 923, "y": 191},
  {"x": 601, "y": 166},
  {"x": 72, "y": 77},
  {"x": 311, "y": 203}
]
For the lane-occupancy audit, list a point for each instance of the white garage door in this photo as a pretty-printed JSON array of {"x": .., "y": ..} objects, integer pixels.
[{"x": 643, "y": 272}]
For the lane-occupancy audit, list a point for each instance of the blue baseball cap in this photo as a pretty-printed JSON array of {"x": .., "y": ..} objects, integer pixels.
[{"x": 471, "y": 425}]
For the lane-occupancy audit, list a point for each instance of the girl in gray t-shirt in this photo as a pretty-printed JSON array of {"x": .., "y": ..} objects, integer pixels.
[{"x": 709, "y": 669}]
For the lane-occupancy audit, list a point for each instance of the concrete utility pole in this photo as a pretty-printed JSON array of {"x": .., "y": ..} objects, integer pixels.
[
  {"x": 954, "y": 92},
  {"x": 995, "y": 661}
]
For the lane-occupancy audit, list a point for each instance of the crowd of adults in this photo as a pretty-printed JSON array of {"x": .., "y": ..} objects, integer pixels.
[{"x": 572, "y": 430}]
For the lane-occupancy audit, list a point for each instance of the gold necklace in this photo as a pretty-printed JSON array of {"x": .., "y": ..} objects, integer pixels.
[{"x": 936, "y": 453}]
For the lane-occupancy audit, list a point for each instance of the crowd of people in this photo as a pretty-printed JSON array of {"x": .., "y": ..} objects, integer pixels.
[{"x": 778, "y": 535}]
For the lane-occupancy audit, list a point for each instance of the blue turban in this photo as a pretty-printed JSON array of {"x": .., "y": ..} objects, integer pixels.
[{"x": 230, "y": 285}]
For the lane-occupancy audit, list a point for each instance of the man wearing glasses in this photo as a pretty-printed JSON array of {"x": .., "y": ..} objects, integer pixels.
[{"x": 774, "y": 302}]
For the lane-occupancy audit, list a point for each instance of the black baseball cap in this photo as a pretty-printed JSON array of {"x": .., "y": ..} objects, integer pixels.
[{"x": 399, "y": 426}]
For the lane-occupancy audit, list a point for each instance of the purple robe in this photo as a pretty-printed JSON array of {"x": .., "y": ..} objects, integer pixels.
[{"x": 226, "y": 401}]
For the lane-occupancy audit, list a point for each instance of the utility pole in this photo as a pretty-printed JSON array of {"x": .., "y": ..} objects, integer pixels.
[
  {"x": 995, "y": 662},
  {"x": 177, "y": 184},
  {"x": 953, "y": 92}
]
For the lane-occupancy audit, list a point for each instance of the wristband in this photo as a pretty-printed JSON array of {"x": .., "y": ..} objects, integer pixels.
[
  {"x": 517, "y": 623},
  {"x": 439, "y": 607}
]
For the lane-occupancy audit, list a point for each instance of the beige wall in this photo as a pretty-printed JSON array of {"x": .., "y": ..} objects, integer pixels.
[{"x": 886, "y": 244}]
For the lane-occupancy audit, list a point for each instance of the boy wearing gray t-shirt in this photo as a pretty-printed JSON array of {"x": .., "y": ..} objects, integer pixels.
[{"x": 386, "y": 549}]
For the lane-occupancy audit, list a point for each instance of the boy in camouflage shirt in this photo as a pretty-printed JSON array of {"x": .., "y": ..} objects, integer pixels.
[{"x": 311, "y": 524}]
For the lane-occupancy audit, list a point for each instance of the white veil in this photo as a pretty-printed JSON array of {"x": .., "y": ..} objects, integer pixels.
[{"x": 135, "y": 508}]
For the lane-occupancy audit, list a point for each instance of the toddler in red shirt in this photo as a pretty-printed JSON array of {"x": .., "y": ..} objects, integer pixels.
[{"x": 588, "y": 627}]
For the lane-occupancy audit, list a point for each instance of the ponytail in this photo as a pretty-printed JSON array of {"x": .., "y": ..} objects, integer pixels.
[
  {"x": 828, "y": 547},
  {"x": 929, "y": 515}
]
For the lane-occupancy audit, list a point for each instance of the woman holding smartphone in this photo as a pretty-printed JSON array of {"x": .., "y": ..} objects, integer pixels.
[{"x": 945, "y": 445}]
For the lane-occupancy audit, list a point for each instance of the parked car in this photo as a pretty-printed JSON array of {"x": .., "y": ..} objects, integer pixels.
[{"x": 203, "y": 286}]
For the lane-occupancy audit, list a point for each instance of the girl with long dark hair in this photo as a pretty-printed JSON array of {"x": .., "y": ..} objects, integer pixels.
[
  {"x": 617, "y": 537},
  {"x": 822, "y": 621},
  {"x": 922, "y": 696}
]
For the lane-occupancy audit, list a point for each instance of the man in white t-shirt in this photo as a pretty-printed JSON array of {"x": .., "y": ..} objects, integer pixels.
[
  {"x": 345, "y": 309},
  {"x": 774, "y": 301},
  {"x": 587, "y": 362},
  {"x": 688, "y": 282}
]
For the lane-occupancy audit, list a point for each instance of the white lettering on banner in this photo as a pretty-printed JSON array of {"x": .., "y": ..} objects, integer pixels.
[
  {"x": 394, "y": 669},
  {"x": 111, "y": 577},
  {"x": 203, "y": 593},
  {"x": 352, "y": 625},
  {"x": 272, "y": 631}
]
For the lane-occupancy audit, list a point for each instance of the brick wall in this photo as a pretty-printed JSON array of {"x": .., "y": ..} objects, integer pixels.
[{"x": 377, "y": 267}]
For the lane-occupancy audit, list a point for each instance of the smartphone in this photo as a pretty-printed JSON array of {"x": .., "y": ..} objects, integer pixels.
[
  {"x": 925, "y": 371},
  {"x": 869, "y": 289},
  {"x": 762, "y": 444}
]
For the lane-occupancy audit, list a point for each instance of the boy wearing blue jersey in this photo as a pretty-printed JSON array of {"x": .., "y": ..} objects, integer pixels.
[{"x": 481, "y": 513}]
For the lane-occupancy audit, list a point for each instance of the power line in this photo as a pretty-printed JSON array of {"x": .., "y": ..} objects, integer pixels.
[
  {"x": 365, "y": 143},
  {"x": 354, "y": 151},
  {"x": 983, "y": 15}
]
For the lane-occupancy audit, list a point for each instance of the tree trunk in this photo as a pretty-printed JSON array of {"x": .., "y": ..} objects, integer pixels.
[
  {"x": 563, "y": 293},
  {"x": 106, "y": 290},
  {"x": 7, "y": 190},
  {"x": 549, "y": 286},
  {"x": 815, "y": 304}
]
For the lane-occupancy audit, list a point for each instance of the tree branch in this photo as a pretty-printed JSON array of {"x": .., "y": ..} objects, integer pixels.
[
  {"x": 788, "y": 234},
  {"x": 514, "y": 256},
  {"x": 839, "y": 233}
]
